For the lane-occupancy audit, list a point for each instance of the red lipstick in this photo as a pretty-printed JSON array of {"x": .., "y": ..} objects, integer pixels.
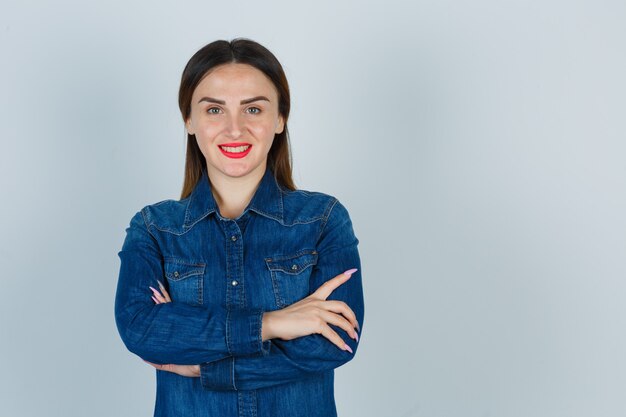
[{"x": 235, "y": 150}]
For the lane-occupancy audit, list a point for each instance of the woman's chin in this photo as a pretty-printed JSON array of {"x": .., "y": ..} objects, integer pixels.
[{"x": 239, "y": 170}]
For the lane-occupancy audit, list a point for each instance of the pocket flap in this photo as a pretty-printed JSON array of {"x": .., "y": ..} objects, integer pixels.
[
  {"x": 292, "y": 264},
  {"x": 177, "y": 269}
]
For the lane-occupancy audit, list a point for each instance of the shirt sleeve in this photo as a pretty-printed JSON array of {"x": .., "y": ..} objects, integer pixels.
[
  {"x": 289, "y": 360},
  {"x": 174, "y": 332}
]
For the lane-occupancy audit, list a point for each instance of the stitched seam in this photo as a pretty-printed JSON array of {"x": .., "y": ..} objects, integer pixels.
[
  {"x": 187, "y": 210},
  {"x": 145, "y": 223},
  {"x": 169, "y": 230},
  {"x": 229, "y": 293},
  {"x": 280, "y": 202},
  {"x": 194, "y": 268},
  {"x": 300, "y": 270},
  {"x": 312, "y": 220},
  {"x": 202, "y": 216},
  {"x": 200, "y": 287},
  {"x": 293, "y": 256},
  {"x": 253, "y": 404},
  {"x": 277, "y": 292},
  {"x": 203, "y": 377},
  {"x": 283, "y": 223},
  {"x": 182, "y": 276},
  {"x": 258, "y": 328},
  {"x": 228, "y": 332},
  {"x": 240, "y": 261},
  {"x": 326, "y": 217}
]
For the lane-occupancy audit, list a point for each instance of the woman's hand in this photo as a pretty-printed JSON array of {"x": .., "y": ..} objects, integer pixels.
[
  {"x": 313, "y": 314},
  {"x": 158, "y": 298},
  {"x": 184, "y": 370}
]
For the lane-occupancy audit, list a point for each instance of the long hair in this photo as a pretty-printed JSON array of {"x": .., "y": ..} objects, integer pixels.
[{"x": 244, "y": 51}]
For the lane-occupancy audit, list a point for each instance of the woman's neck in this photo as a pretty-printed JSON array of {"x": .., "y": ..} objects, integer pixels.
[{"x": 233, "y": 195}]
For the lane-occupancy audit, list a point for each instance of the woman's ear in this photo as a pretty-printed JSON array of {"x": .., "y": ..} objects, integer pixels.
[{"x": 189, "y": 127}]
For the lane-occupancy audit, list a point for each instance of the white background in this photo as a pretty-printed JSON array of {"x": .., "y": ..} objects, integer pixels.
[{"x": 478, "y": 146}]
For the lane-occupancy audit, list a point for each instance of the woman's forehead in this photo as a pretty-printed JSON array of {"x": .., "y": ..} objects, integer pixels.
[{"x": 235, "y": 80}]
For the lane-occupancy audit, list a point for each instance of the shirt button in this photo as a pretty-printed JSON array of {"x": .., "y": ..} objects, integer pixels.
[
  {"x": 234, "y": 283},
  {"x": 294, "y": 267},
  {"x": 233, "y": 238},
  {"x": 176, "y": 274}
]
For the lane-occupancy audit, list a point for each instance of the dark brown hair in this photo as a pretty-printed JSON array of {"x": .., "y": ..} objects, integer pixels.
[{"x": 244, "y": 51}]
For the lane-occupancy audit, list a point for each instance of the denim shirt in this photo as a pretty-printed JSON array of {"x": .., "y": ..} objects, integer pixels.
[{"x": 222, "y": 275}]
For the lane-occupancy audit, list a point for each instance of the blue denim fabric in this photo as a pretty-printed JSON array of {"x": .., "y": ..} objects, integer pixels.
[{"x": 222, "y": 275}]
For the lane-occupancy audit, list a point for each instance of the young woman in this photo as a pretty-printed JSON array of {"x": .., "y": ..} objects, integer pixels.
[{"x": 232, "y": 292}]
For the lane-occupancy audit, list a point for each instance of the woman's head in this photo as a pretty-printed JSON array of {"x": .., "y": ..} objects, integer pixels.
[{"x": 220, "y": 67}]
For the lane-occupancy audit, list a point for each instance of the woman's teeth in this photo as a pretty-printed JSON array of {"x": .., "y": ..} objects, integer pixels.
[{"x": 235, "y": 149}]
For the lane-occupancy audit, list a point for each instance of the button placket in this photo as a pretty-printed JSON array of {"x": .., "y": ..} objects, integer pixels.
[{"x": 234, "y": 243}]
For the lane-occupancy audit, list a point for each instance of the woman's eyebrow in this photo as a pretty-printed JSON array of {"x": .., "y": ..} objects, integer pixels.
[{"x": 246, "y": 101}]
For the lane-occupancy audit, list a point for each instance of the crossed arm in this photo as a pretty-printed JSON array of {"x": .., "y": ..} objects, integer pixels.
[{"x": 308, "y": 316}]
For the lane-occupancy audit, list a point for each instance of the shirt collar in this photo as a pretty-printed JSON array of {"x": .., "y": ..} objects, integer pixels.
[{"x": 267, "y": 200}]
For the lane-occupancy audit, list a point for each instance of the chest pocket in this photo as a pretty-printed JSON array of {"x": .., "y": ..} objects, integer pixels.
[
  {"x": 290, "y": 276},
  {"x": 185, "y": 279}
]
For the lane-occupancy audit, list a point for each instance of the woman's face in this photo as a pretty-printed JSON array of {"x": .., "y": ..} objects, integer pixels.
[{"x": 234, "y": 116}]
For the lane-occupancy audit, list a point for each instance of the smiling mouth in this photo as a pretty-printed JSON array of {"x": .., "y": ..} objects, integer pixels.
[{"x": 235, "y": 150}]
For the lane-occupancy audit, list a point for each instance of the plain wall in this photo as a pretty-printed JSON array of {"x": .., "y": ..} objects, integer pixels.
[{"x": 478, "y": 146}]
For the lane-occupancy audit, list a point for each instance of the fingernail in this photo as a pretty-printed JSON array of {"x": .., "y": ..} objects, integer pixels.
[
  {"x": 349, "y": 272},
  {"x": 155, "y": 291},
  {"x": 346, "y": 347},
  {"x": 155, "y": 300},
  {"x": 161, "y": 286},
  {"x": 356, "y": 336}
]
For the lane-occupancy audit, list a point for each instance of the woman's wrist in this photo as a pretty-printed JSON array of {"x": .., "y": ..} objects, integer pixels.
[{"x": 266, "y": 326}]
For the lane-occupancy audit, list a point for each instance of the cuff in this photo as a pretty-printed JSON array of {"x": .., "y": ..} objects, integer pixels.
[
  {"x": 218, "y": 375},
  {"x": 243, "y": 333}
]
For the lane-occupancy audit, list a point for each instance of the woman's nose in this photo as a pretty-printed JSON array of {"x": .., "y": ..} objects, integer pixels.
[{"x": 235, "y": 126}]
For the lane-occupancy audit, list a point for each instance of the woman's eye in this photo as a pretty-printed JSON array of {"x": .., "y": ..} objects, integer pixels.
[
  {"x": 210, "y": 110},
  {"x": 256, "y": 110}
]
